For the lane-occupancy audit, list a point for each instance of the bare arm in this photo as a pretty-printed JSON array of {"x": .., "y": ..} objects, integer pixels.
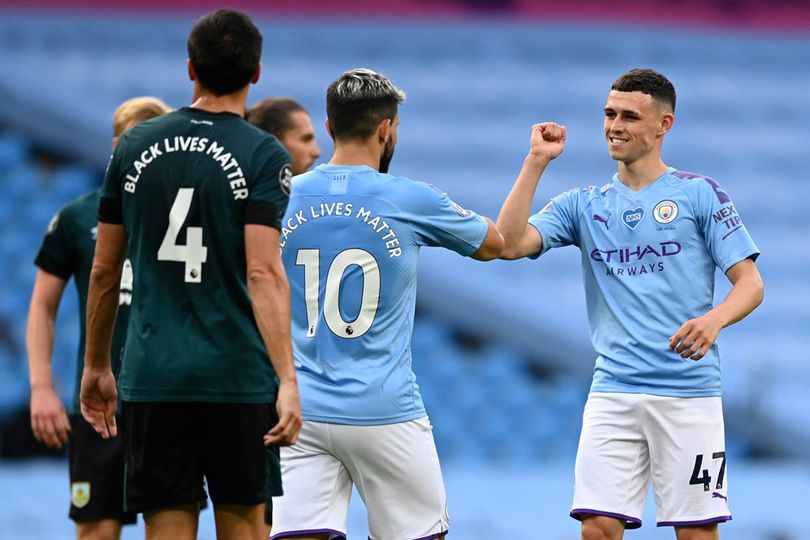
[
  {"x": 270, "y": 294},
  {"x": 696, "y": 336},
  {"x": 49, "y": 421},
  {"x": 492, "y": 245},
  {"x": 520, "y": 238},
  {"x": 99, "y": 395}
]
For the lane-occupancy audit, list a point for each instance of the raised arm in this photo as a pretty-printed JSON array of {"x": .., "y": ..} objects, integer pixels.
[
  {"x": 520, "y": 238},
  {"x": 270, "y": 294},
  {"x": 99, "y": 395},
  {"x": 49, "y": 421},
  {"x": 696, "y": 336}
]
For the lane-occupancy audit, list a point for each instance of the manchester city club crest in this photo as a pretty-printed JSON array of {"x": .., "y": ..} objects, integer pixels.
[
  {"x": 80, "y": 494},
  {"x": 665, "y": 212}
]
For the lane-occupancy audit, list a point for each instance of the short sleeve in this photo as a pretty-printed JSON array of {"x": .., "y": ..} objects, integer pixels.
[
  {"x": 438, "y": 221},
  {"x": 58, "y": 255},
  {"x": 270, "y": 191},
  {"x": 110, "y": 207},
  {"x": 557, "y": 221},
  {"x": 727, "y": 239}
]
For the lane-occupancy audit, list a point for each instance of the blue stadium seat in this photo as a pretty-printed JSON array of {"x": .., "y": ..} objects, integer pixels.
[{"x": 465, "y": 128}]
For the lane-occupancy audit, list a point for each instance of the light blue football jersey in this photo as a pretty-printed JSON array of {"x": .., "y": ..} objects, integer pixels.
[
  {"x": 350, "y": 242},
  {"x": 648, "y": 263}
]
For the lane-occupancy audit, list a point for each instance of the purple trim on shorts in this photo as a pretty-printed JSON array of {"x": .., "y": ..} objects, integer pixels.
[
  {"x": 632, "y": 523},
  {"x": 431, "y": 537},
  {"x": 292, "y": 534},
  {"x": 718, "y": 519}
]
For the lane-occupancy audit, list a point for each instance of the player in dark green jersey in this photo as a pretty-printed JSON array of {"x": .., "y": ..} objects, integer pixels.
[
  {"x": 96, "y": 465},
  {"x": 196, "y": 197},
  {"x": 289, "y": 122}
]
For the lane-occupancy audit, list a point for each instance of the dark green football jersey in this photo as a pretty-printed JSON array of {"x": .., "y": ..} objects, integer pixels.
[
  {"x": 66, "y": 251},
  {"x": 186, "y": 184}
]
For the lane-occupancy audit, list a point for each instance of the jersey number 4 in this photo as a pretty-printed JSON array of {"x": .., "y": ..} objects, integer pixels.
[
  {"x": 194, "y": 253},
  {"x": 310, "y": 259}
]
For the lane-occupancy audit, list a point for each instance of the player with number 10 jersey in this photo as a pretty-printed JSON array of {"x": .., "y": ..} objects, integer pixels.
[
  {"x": 351, "y": 257},
  {"x": 350, "y": 245}
]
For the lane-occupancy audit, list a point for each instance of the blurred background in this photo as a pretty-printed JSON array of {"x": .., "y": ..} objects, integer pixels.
[{"x": 501, "y": 350}]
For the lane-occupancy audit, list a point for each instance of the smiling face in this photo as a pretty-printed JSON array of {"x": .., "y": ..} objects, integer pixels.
[{"x": 635, "y": 125}]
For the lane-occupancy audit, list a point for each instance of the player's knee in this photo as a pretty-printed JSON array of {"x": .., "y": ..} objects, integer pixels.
[
  {"x": 601, "y": 528},
  {"x": 106, "y": 529},
  {"x": 702, "y": 532}
]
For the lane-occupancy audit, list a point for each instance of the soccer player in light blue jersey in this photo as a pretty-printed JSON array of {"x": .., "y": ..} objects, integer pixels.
[
  {"x": 350, "y": 242},
  {"x": 650, "y": 241}
]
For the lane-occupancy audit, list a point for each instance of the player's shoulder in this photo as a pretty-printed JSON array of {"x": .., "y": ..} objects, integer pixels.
[
  {"x": 408, "y": 193},
  {"x": 306, "y": 183},
  {"x": 692, "y": 181},
  {"x": 267, "y": 147},
  {"x": 581, "y": 197},
  {"x": 76, "y": 213},
  {"x": 82, "y": 205},
  {"x": 698, "y": 186},
  {"x": 260, "y": 136}
]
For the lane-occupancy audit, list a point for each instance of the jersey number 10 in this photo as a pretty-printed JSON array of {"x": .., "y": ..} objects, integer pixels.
[
  {"x": 311, "y": 261},
  {"x": 194, "y": 253}
]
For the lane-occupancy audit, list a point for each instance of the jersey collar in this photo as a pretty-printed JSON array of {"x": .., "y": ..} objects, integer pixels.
[{"x": 622, "y": 187}]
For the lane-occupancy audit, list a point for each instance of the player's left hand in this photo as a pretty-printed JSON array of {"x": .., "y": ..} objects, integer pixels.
[
  {"x": 696, "y": 336},
  {"x": 98, "y": 400}
]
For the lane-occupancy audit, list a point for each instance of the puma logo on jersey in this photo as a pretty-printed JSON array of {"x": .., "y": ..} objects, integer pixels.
[{"x": 600, "y": 219}]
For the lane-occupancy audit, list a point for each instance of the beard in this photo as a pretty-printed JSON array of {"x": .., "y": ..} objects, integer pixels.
[{"x": 387, "y": 156}]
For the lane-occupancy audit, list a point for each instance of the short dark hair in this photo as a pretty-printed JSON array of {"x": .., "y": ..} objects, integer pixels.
[
  {"x": 358, "y": 100},
  {"x": 225, "y": 48},
  {"x": 273, "y": 114},
  {"x": 649, "y": 82}
]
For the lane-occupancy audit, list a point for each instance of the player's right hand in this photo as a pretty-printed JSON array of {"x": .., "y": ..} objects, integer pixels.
[
  {"x": 288, "y": 406},
  {"x": 99, "y": 399},
  {"x": 548, "y": 140},
  {"x": 49, "y": 421}
]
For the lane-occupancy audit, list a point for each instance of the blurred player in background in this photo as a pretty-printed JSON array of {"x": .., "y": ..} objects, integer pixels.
[
  {"x": 290, "y": 123},
  {"x": 197, "y": 197},
  {"x": 650, "y": 241},
  {"x": 350, "y": 243},
  {"x": 96, "y": 465}
]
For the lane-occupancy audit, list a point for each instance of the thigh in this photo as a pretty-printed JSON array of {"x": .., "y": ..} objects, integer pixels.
[
  {"x": 612, "y": 468},
  {"x": 96, "y": 475},
  {"x": 396, "y": 470},
  {"x": 163, "y": 468},
  {"x": 272, "y": 482},
  {"x": 688, "y": 460},
  {"x": 317, "y": 487},
  {"x": 234, "y": 457}
]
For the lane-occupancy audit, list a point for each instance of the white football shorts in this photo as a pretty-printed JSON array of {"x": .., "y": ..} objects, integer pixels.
[
  {"x": 395, "y": 468},
  {"x": 629, "y": 439}
]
